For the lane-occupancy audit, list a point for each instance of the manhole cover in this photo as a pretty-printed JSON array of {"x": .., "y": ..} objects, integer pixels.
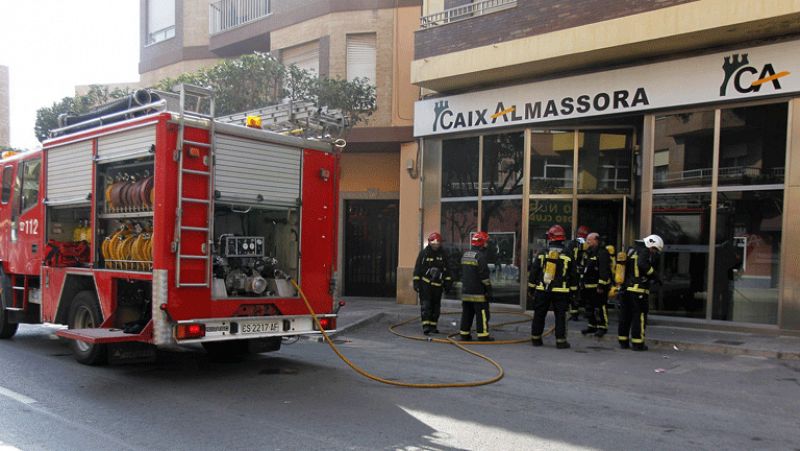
[{"x": 729, "y": 342}]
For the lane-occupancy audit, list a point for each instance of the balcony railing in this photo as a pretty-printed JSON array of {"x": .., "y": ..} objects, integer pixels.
[
  {"x": 465, "y": 12},
  {"x": 227, "y": 14}
]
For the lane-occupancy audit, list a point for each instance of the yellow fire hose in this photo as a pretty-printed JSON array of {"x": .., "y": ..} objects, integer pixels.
[{"x": 361, "y": 371}]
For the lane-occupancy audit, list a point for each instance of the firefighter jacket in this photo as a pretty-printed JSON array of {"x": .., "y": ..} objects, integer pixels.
[
  {"x": 640, "y": 269},
  {"x": 574, "y": 249},
  {"x": 596, "y": 267},
  {"x": 431, "y": 268},
  {"x": 553, "y": 271},
  {"x": 476, "y": 285}
]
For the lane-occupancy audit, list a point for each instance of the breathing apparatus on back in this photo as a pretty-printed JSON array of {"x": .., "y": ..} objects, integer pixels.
[{"x": 555, "y": 239}]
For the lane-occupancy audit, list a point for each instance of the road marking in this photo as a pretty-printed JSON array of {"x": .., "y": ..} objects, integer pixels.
[{"x": 16, "y": 396}]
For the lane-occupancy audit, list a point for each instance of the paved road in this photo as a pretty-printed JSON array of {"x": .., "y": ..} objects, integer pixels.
[{"x": 593, "y": 396}]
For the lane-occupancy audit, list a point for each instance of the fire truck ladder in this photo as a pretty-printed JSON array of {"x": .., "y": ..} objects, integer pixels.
[
  {"x": 201, "y": 96},
  {"x": 297, "y": 117}
]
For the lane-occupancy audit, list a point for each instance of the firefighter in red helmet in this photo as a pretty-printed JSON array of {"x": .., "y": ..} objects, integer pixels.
[
  {"x": 551, "y": 282},
  {"x": 476, "y": 289},
  {"x": 431, "y": 277}
]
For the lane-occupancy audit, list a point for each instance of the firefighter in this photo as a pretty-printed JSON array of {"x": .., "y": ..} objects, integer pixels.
[
  {"x": 551, "y": 282},
  {"x": 640, "y": 274},
  {"x": 431, "y": 276},
  {"x": 574, "y": 248},
  {"x": 595, "y": 280},
  {"x": 476, "y": 289}
]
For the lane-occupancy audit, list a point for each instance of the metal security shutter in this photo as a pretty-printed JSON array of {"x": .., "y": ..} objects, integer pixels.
[
  {"x": 361, "y": 57},
  {"x": 129, "y": 144},
  {"x": 69, "y": 174},
  {"x": 246, "y": 169},
  {"x": 304, "y": 56}
]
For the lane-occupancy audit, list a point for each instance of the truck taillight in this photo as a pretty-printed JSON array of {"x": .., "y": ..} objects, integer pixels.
[
  {"x": 327, "y": 323},
  {"x": 187, "y": 331}
]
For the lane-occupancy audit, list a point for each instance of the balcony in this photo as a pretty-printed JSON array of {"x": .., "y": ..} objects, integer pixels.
[
  {"x": 226, "y": 15},
  {"x": 465, "y": 12}
]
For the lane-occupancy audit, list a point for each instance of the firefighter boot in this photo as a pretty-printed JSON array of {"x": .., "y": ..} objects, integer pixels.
[
  {"x": 486, "y": 338},
  {"x": 537, "y": 341},
  {"x": 600, "y": 332},
  {"x": 639, "y": 347},
  {"x": 623, "y": 344},
  {"x": 563, "y": 344},
  {"x": 589, "y": 330},
  {"x": 465, "y": 336}
]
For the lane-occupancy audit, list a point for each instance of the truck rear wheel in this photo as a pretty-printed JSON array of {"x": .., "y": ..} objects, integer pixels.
[
  {"x": 7, "y": 329},
  {"x": 84, "y": 313}
]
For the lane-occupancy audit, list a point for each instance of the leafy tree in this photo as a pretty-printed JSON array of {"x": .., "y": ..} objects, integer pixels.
[
  {"x": 245, "y": 83},
  {"x": 47, "y": 117}
]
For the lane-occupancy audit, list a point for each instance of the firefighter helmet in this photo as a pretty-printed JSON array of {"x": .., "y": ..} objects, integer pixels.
[
  {"x": 435, "y": 237},
  {"x": 556, "y": 233},
  {"x": 582, "y": 232},
  {"x": 479, "y": 239},
  {"x": 654, "y": 241}
]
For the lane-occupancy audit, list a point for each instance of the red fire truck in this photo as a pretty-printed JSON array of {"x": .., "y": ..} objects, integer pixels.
[{"x": 142, "y": 228}]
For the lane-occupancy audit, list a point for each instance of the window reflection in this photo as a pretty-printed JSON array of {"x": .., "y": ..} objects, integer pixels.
[
  {"x": 503, "y": 157},
  {"x": 682, "y": 220},
  {"x": 753, "y": 145},
  {"x": 460, "y": 167},
  {"x": 604, "y": 161},
  {"x": 552, "y": 162},
  {"x": 684, "y": 150},
  {"x": 503, "y": 219}
]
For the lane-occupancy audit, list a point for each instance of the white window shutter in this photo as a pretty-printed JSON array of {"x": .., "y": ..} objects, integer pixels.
[
  {"x": 304, "y": 56},
  {"x": 361, "y": 57}
]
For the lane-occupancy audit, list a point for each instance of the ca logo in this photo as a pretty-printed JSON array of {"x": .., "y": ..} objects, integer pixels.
[{"x": 746, "y": 78}]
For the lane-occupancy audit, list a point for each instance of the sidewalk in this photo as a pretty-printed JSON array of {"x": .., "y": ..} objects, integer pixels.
[{"x": 360, "y": 312}]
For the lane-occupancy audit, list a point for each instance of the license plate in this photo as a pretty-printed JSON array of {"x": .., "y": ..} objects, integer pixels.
[{"x": 260, "y": 327}]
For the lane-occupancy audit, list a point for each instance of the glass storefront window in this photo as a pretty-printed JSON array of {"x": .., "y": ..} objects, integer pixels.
[
  {"x": 460, "y": 167},
  {"x": 604, "y": 162},
  {"x": 684, "y": 150},
  {"x": 552, "y": 162},
  {"x": 747, "y": 256},
  {"x": 753, "y": 145},
  {"x": 502, "y": 219},
  {"x": 459, "y": 219},
  {"x": 682, "y": 220},
  {"x": 503, "y": 157}
]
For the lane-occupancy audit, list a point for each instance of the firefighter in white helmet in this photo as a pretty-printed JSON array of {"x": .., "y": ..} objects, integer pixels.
[{"x": 640, "y": 275}]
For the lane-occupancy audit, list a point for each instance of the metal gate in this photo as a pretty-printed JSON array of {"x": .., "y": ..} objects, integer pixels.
[{"x": 370, "y": 248}]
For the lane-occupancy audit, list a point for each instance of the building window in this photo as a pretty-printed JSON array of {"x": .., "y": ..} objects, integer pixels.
[
  {"x": 30, "y": 183},
  {"x": 160, "y": 20},
  {"x": 361, "y": 56},
  {"x": 303, "y": 56},
  {"x": 604, "y": 162},
  {"x": 460, "y": 167},
  {"x": 503, "y": 162},
  {"x": 8, "y": 171}
]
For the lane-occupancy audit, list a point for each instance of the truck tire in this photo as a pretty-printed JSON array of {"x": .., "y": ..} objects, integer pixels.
[
  {"x": 84, "y": 313},
  {"x": 7, "y": 329}
]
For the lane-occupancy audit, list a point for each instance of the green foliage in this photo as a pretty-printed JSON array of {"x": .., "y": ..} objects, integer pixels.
[
  {"x": 246, "y": 83},
  {"x": 47, "y": 117}
]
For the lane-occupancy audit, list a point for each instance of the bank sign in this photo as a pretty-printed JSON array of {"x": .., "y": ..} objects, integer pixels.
[{"x": 735, "y": 75}]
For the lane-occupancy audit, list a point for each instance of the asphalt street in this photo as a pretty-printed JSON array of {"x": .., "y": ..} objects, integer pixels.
[{"x": 593, "y": 396}]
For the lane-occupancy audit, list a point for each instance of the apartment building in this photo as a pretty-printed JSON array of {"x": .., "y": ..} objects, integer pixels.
[
  {"x": 334, "y": 38},
  {"x": 5, "y": 111},
  {"x": 675, "y": 117}
]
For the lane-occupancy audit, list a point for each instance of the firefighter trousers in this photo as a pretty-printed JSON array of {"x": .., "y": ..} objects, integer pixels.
[
  {"x": 596, "y": 307},
  {"x": 430, "y": 301},
  {"x": 633, "y": 308},
  {"x": 479, "y": 310},
  {"x": 544, "y": 301}
]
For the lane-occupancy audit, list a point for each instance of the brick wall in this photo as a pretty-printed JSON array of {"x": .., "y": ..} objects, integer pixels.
[{"x": 528, "y": 18}]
